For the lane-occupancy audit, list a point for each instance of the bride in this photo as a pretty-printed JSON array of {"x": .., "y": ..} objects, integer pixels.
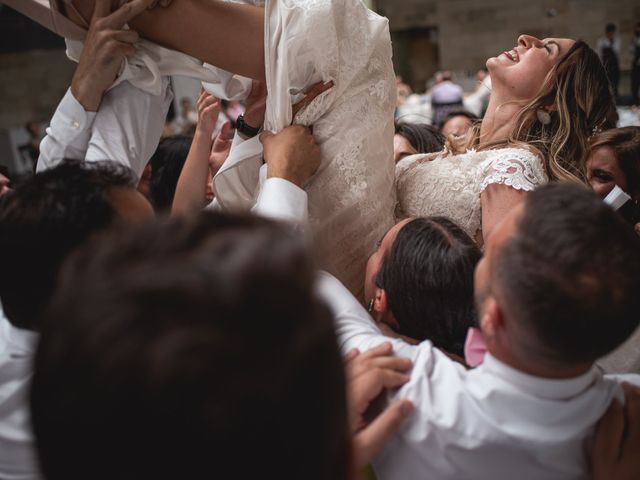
[{"x": 548, "y": 97}]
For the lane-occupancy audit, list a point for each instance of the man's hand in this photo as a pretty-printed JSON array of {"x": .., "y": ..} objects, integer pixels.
[
  {"x": 616, "y": 450},
  {"x": 220, "y": 149},
  {"x": 368, "y": 375},
  {"x": 105, "y": 48},
  {"x": 208, "y": 112},
  {"x": 315, "y": 90},
  {"x": 292, "y": 154}
]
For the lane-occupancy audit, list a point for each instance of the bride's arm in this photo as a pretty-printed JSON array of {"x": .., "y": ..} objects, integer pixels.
[
  {"x": 496, "y": 201},
  {"x": 227, "y": 35}
]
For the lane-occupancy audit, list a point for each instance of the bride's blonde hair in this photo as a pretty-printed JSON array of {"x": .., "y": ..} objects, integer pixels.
[{"x": 580, "y": 94}]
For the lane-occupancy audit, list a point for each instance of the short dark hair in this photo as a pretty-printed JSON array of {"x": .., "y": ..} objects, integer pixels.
[
  {"x": 188, "y": 349},
  {"x": 166, "y": 165},
  {"x": 570, "y": 275},
  {"x": 457, "y": 113},
  {"x": 428, "y": 278},
  {"x": 42, "y": 221},
  {"x": 610, "y": 27},
  {"x": 424, "y": 138}
]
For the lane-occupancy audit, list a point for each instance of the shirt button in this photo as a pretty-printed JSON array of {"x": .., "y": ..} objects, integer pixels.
[{"x": 76, "y": 125}]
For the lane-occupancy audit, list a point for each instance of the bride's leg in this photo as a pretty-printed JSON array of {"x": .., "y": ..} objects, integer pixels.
[{"x": 227, "y": 35}]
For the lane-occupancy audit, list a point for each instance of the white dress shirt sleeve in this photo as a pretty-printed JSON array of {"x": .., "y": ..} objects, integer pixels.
[
  {"x": 280, "y": 199},
  {"x": 126, "y": 129},
  {"x": 128, "y": 126},
  {"x": 354, "y": 326},
  {"x": 68, "y": 133}
]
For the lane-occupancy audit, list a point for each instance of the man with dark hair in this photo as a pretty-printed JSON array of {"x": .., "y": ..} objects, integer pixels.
[
  {"x": 191, "y": 349},
  {"x": 41, "y": 222},
  {"x": 557, "y": 289}
]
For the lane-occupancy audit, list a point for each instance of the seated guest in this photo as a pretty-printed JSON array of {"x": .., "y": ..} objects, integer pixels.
[
  {"x": 457, "y": 123},
  {"x": 420, "y": 282},
  {"x": 413, "y": 138},
  {"x": 42, "y": 221},
  {"x": 192, "y": 349}
]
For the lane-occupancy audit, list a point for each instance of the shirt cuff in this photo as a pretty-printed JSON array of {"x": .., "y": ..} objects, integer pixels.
[
  {"x": 67, "y": 135},
  {"x": 72, "y": 115},
  {"x": 280, "y": 199}
]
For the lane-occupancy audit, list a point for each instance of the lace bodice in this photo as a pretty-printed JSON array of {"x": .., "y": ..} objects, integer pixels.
[{"x": 450, "y": 185}]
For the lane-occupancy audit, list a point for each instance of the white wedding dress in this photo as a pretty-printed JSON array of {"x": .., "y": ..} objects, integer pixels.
[
  {"x": 352, "y": 196},
  {"x": 450, "y": 185}
]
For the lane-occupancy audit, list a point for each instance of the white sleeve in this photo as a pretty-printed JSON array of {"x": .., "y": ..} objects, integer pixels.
[
  {"x": 354, "y": 326},
  {"x": 128, "y": 126},
  {"x": 280, "y": 199},
  {"x": 514, "y": 167},
  {"x": 68, "y": 134}
]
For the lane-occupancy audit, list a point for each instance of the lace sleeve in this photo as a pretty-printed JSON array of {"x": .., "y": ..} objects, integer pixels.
[{"x": 514, "y": 167}]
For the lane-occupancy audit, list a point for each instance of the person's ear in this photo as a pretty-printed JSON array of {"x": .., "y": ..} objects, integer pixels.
[
  {"x": 380, "y": 301},
  {"x": 492, "y": 320}
]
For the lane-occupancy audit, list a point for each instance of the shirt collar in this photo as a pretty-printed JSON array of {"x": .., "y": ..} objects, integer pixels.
[{"x": 553, "y": 389}]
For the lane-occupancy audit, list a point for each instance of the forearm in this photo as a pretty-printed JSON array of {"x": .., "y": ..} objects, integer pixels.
[
  {"x": 191, "y": 192},
  {"x": 354, "y": 326},
  {"x": 227, "y": 35}
]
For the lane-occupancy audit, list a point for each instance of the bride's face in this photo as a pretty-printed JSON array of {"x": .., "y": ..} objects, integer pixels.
[{"x": 519, "y": 73}]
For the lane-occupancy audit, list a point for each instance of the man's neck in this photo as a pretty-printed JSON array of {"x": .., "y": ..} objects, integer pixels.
[{"x": 537, "y": 368}]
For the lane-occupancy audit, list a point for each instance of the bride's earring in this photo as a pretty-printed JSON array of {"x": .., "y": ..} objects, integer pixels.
[{"x": 543, "y": 116}]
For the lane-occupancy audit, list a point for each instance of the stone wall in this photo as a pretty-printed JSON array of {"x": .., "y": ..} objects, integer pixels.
[{"x": 31, "y": 85}]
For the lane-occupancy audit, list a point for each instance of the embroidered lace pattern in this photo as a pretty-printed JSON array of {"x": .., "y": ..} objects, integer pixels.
[{"x": 450, "y": 185}]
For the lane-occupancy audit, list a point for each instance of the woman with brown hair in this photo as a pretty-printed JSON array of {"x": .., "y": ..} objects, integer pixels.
[
  {"x": 547, "y": 98},
  {"x": 614, "y": 160}
]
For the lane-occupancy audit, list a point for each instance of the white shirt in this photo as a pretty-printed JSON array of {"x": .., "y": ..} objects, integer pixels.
[
  {"x": 126, "y": 129},
  {"x": 491, "y": 422},
  {"x": 279, "y": 200},
  {"x": 447, "y": 92},
  {"x": 17, "y": 448}
]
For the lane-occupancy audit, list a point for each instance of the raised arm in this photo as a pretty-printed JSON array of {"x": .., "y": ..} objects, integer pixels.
[
  {"x": 96, "y": 122},
  {"x": 227, "y": 35},
  {"x": 106, "y": 46},
  {"x": 191, "y": 192},
  {"x": 507, "y": 174},
  {"x": 496, "y": 201}
]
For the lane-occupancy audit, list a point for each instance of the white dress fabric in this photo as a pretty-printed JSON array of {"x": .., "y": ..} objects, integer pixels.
[
  {"x": 351, "y": 197},
  {"x": 450, "y": 185}
]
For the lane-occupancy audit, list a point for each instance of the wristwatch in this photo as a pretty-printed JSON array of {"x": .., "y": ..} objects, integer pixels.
[{"x": 246, "y": 129}]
